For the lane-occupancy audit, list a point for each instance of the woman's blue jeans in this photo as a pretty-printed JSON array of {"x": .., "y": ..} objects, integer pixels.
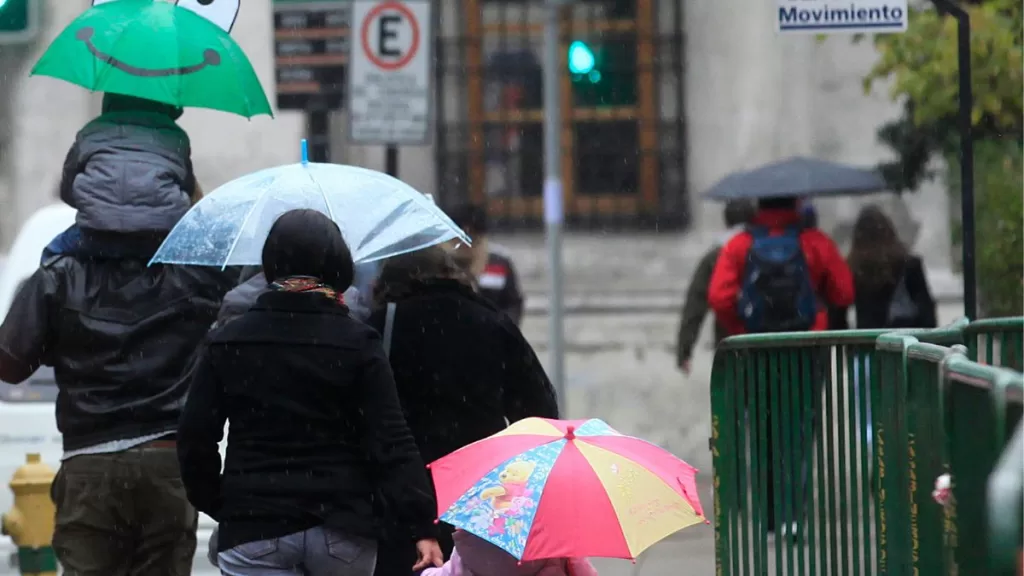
[{"x": 315, "y": 552}]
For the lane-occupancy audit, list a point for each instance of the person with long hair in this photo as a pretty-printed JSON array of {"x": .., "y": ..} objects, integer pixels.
[
  {"x": 462, "y": 367},
  {"x": 891, "y": 289},
  {"x": 890, "y": 285}
]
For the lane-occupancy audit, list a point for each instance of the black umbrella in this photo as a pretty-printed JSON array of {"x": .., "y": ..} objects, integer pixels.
[{"x": 798, "y": 177}]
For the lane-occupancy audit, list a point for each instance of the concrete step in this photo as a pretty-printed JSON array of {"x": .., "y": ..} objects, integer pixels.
[
  {"x": 946, "y": 288},
  {"x": 606, "y": 272}
]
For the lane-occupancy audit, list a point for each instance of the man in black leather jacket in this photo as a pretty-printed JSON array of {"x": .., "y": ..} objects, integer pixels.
[{"x": 119, "y": 335}]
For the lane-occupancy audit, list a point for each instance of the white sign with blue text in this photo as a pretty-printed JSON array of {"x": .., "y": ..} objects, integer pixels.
[{"x": 841, "y": 16}]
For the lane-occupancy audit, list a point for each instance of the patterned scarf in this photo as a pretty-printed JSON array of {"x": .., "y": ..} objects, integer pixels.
[{"x": 308, "y": 284}]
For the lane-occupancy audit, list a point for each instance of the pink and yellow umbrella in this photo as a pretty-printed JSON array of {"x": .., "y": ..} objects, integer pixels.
[{"x": 566, "y": 489}]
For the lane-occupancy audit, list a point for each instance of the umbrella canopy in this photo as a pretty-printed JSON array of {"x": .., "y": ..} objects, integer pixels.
[
  {"x": 158, "y": 51},
  {"x": 379, "y": 216},
  {"x": 566, "y": 489},
  {"x": 798, "y": 177}
]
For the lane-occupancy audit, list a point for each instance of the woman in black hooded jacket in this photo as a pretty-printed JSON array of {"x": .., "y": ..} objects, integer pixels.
[{"x": 462, "y": 367}]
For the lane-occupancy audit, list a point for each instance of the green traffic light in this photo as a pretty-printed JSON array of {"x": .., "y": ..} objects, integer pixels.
[{"x": 581, "y": 58}]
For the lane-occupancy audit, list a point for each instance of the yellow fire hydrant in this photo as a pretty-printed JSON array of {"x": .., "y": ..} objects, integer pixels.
[{"x": 30, "y": 521}]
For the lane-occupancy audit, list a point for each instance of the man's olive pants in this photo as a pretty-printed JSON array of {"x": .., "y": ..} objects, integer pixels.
[{"x": 124, "y": 514}]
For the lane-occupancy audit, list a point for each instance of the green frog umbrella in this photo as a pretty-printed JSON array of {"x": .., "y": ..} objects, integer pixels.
[{"x": 179, "y": 54}]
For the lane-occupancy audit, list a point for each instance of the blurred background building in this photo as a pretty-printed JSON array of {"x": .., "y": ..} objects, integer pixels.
[{"x": 662, "y": 98}]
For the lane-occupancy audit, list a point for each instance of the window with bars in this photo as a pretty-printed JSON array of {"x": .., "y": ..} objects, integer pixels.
[{"x": 621, "y": 88}]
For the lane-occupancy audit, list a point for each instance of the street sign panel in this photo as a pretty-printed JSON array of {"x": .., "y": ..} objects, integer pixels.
[
  {"x": 389, "y": 88},
  {"x": 19, "y": 21},
  {"x": 841, "y": 16},
  {"x": 311, "y": 45}
]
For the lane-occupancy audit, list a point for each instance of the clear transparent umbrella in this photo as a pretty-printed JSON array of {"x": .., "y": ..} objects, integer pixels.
[{"x": 379, "y": 216}]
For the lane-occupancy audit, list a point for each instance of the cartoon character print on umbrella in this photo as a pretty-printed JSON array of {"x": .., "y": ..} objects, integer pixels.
[
  {"x": 501, "y": 507},
  {"x": 223, "y": 13}
]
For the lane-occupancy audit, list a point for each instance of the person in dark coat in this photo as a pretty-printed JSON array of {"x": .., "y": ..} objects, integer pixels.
[
  {"x": 316, "y": 428},
  {"x": 119, "y": 335},
  {"x": 489, "y": 267},
  {"x": 463, "y": 368},
  {"x": 891, "y": 291},
  {"x": 244, "y": 296},
  {"x": 890, "y": 285},
  {"x": 737, "y": 213}
]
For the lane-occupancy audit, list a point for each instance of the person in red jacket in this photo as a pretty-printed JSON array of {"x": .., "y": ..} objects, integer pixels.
[
  {"x": 830, "y": 276},
  {"x": 832, "y": 284}
]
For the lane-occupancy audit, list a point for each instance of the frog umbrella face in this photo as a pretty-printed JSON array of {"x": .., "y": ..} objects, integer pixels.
[{"x": 179, "y": 54}]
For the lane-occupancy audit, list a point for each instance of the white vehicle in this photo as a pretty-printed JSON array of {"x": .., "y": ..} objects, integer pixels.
[{"x": 27, "y": 423}]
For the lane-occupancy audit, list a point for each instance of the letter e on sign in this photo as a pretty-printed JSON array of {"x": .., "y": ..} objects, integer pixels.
[{"x": 390, "y": 36}]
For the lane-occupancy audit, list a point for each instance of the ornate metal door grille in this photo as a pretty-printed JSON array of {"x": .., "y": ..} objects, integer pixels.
[{"x": 623, "y": 132}]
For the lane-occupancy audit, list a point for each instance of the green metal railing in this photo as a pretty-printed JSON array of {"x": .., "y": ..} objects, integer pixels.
[
  {"x": 826, "y": 448},
  {"x": 910, "y": 425},
  {"x": 982, "y": 407},
  {"x": 793, "y": 455},
  {"x": 997, "y": 342},
  {"x": 1005, "y": 502}
]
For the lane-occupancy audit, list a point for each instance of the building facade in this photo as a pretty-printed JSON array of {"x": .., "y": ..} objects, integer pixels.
[
  {"x": 621, "y": 90},
  {"x": 680, "y": 94}
]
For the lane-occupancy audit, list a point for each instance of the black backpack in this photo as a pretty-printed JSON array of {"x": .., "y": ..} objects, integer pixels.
[{"x": 777, "y": 294}]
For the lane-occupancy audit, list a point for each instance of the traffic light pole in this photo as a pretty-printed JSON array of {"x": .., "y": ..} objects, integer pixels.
[{"x": 553, "y": 210}]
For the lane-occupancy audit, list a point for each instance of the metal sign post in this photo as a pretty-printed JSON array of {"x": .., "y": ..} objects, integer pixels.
[
  {"x": 966, "y": 126},
  {"x": 391, "y": 160},
  {"x": 318, "y": 134},
  {"x": 390, "y": 75},
  {"x": 553, "y": 205}
]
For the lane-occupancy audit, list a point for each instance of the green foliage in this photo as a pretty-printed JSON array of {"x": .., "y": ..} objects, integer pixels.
[
  {"x": 999, "y": 225},
  {"x": 922, "y": 69},
  {"x": 922, "y": 65}
]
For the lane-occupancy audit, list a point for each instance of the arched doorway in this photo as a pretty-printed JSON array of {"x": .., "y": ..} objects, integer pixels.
[{"x": 622, "y": 100}]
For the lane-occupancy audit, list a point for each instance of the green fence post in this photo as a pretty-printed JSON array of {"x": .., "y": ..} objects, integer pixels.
[
  {"x": 928, "y": 454},
  {"x": 894, "y": 532},
  {"x": 1005, "y": 501},
  {"x": 721, "y": 408},
  {"x": 997, "y": 342},
  {"x": 978, "y": 413}
]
